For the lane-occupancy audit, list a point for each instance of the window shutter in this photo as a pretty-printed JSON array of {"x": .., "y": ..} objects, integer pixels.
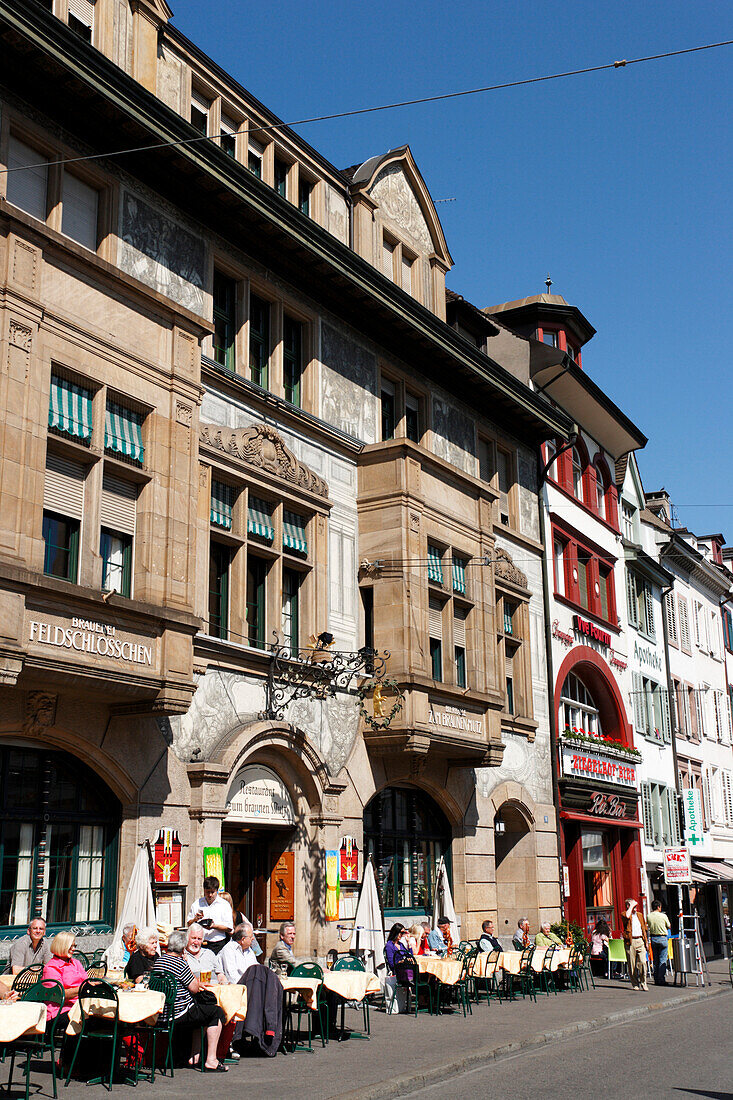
[
  {"x": 718, "y": 716},
  {"x": 706, "y": 796},
  {"x": 119, "y": 504},
  {"x": 639, "y": 708},
  {"x": 459, "y": 627},
  {"x": 671, "y": 617},
  {"x": 696, "y": 622},
  {"x": 435, "y": 565},
  {"x": 674, "y": 817},
  {"x": 691, "y": 709},
  {"x": 727, "y": 797},
  {"x": 27, "y": 189},
  {"x": 631, "y": 599},
  {"x": 699, "y": 712},
  {"x": 486, "y": 467},
  {"x": 79, "y": 211},
  {"x": 664, "y": 707},
  {"x": 200, "y": 101},
  {"x": 684, "y": 624},
  {"x": 63, "y": 489},
  {"x": 435, "y": 618},
  {"x": 649, "y": 604},
  {"x": 83, "y": 10},
  {"x": 647, "y": 813},
  {"x": 228, "y": 126}
]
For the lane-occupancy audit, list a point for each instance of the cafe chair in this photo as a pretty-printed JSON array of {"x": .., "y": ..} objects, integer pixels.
[
  {"x": 27, "y": 977},
  {"x": 83, "y": 958},
  {"x": 587, "y": 969},
  {"x": 545, "y": 978},
  {"x": 462, "y": 987},
  {"x": 412, "y": 990},
  {"x": 97, "y": 970},
  {"x": 35, "y": 1046},
  {"x": 100, "y": 1029},
  {"x": 163, "y": 1026},
  {"x": 488, "y": 978},
  {"x": 310, "y": 970},
  {"x": 349, "y": 962},
  {"x": 616, "y": 954},
  {"x": 525, "y": 978}
]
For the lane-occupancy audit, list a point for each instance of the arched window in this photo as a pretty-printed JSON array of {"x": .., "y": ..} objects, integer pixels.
[
  {"x": 58, "y": 840},
  {"x": 579, "y": 710},
  {"x": 577, "y": 473},
  {"x": 406, "y": 833}
]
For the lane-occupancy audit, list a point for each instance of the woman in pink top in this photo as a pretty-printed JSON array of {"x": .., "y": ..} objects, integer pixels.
[{"x": 64, "y": 968}]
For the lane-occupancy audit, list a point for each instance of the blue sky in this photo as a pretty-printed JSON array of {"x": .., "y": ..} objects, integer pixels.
[{"x": 616, "y": 183}]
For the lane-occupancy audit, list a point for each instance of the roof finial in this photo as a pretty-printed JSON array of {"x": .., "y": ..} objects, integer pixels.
[{"x": 548, "y": 283}]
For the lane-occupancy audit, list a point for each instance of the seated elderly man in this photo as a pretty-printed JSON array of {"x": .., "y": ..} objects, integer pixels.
[
  {"x": 520, "y": 939},
  {"x": 31, "y": 948},
  {"x": 488, "y": 941},
  {"x": 196, "y": 955},
  {"x": 546, "y": 938},
  {"x": 440, "y": 940},
  {"x": 282, "y": 959},
  {"x": 236, "y": 956}
]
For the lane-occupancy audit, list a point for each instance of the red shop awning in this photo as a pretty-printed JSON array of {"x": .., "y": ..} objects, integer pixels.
[{"x": 623, "y": 823}]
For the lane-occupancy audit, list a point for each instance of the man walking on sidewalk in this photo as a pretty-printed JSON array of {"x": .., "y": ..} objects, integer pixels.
[{"x": 636, "y": 941}]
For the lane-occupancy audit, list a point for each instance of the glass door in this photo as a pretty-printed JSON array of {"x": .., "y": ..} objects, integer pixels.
[{"x": 598, "y": 878}]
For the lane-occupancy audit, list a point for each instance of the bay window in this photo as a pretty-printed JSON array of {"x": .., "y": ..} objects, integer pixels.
[{"x": 583, "y": 575}]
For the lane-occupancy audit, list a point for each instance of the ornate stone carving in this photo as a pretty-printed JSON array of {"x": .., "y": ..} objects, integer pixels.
[
  {"x": 262, "y": 446},
  {"x": 184, "y": 414},
  {"x": 20, "y": 335},
  {"x": 25, "y": 264},
  {"x": 392, "y": 190},
  {"x": 40, "y": 713},
  {"x": 506, "y": 570}
]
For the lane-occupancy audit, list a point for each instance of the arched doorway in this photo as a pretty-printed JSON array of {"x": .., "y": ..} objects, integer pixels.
[
  {"x": 515, "y": 852},
  {"x": 59, "y": 826},
  {"x": 406, "y": 833}
]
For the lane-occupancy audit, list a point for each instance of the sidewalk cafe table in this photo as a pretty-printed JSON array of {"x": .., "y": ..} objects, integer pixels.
[
  {"x": 447, "y": 971},
  {"x": 21, "y": 1018},
  {"x": 351, "y": 985},
  {"x": 232, "y": 999},
  {"x": 6, "y": 982},
  {"x": 510, "y": 961},
  {"x": 307, "y": 988},
  {"x": 136, "y": 1006}
]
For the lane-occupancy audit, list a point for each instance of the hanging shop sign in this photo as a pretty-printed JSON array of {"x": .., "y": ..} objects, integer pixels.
[
  {"x": 590, "y": 630},
  {"x": 332, "y": 886},
  {"x": 349, "y": 861},
  {"x": 584, "y": 764},
  {"x": 677, "y": 866},
  {"x": 620, "y": 806},
  {"x": 258, "y": 796},
  {"x": 87, "y": 636},
  {"x": 693, "y": 817},
  {"x": 167, "y": 857},
  {"x": 455, "y": 718},
  {"x": 214, "y": 865},
  {"x": 282, "y": 888}
]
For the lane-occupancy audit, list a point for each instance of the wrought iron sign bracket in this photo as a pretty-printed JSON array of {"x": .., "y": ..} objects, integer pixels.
[{"x": 315, "y": 673}]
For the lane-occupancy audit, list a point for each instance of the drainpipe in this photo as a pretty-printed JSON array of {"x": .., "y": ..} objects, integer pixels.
[{"x": 542, "y": 473}]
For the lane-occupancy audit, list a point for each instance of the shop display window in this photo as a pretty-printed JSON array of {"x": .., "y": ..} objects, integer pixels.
[{"x": 597, "y": 877}]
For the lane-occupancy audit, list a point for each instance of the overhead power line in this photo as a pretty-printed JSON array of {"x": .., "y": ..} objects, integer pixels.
[{"x": 384, "y": 106}]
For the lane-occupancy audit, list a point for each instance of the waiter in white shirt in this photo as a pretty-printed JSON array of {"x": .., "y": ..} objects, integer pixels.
[{"x": 214, "y": 914}]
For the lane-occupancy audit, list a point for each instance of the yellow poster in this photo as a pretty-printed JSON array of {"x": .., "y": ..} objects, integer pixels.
[
  {"x": 214, "y": 865},
  {"x": 332, "y": 886}
]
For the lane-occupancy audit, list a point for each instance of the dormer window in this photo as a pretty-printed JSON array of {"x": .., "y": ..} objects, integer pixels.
[
  {"x": 255, "y": 153},
  {"x": 550, "y": 338},
  {"x": 572, "y": 352},
  {"x": 81, "y": 18},
  {"x": 200, "y": 107},
  {"x": 577, "y": 474}
]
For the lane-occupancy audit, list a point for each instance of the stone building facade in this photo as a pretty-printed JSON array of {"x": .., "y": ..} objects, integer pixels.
[{"x": 248, "y": 438}]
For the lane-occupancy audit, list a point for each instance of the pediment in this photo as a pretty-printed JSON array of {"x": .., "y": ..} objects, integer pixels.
[
  {"x": 506, "y": 570},
  {"x": 394, "y": 183},
  {"x": 263, "y": 448}
]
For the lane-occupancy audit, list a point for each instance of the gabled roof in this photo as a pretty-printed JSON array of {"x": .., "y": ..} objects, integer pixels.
[{"x": 362, "y": 179}]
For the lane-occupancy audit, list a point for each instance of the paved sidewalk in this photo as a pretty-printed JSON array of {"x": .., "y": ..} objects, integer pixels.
[{"x": 405, "y": 1053}]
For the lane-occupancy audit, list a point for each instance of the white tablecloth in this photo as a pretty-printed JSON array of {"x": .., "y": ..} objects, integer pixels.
[{"x": 21, "y": 1018}]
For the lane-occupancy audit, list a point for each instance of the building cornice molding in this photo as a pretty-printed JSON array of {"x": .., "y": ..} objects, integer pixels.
[{"x": 262, "y": 447}]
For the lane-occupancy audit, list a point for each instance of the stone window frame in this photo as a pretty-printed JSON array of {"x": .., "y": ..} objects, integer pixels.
[
  {"x": 450, "y": 601},
  {"x": 15, "y": 125},
  {"x": 313, "y": 585},
  {"x": 400, "y": 249},
  {"x": 403, "y": 386},
  {"x": 97, "y": 461},
  {"x": 494, "y": 444},
  {"x": 519, "y": 642},
  {"x": 281, "y": 304}
]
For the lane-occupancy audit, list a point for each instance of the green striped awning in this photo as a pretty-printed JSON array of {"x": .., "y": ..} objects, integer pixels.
[
  {"x": 459, "y": 576},
  {"x": 294, "y": 533},
  {"x": 259, "y": 519},
  {"x": 221, "y": 504},
  {"x": 70, "y": 408},
  {"x": 123, "y": 431},
  {"x": 435, "y": 565}
]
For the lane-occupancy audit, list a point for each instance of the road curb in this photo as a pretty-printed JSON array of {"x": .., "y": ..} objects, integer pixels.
[{"x": 410, "y": 1082}]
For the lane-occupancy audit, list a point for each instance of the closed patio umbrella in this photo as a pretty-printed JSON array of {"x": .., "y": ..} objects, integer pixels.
[
  {"x": 368, "y": 931},
  {"x": 138, "y": 909},
  {"x": 443, "y": 905}
]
